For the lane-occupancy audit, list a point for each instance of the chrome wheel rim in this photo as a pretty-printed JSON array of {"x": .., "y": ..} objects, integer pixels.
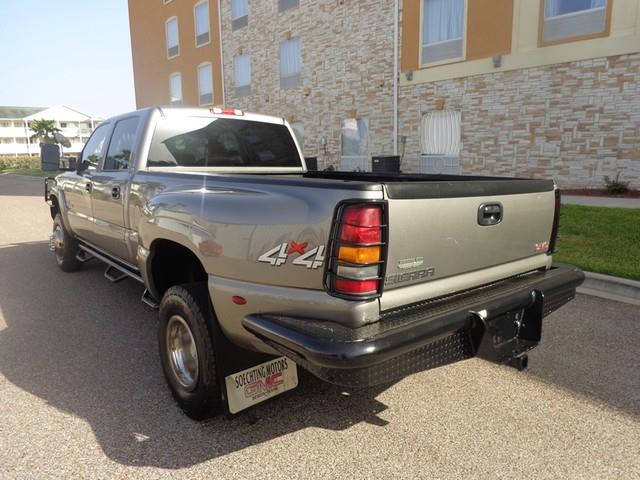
[
  {"x": 57, "y": 242},
  {"x": 182, "y": 352}
]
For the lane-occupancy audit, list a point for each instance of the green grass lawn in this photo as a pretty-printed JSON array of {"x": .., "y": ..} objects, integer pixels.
[
  {"x": 602, "y": 240},
  {"x": 31, "y": 172}
]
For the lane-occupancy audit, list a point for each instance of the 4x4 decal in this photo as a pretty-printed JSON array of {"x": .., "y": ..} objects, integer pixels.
[{"x": 278, "y": 255}]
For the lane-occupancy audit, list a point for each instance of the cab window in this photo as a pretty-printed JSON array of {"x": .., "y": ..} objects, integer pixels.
[
  {"x": 93, "y": 151},
  {"x": 121, "y": 145}
]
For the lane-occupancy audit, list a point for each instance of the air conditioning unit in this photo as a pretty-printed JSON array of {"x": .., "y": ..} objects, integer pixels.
[
  {"x": 440, "y": 164},
  {"x": 355, "y": 164},
  {"x": 385, "y": 164}
]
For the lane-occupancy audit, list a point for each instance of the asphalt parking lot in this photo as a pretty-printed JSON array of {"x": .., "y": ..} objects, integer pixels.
[{"x": 82, "y": 393}]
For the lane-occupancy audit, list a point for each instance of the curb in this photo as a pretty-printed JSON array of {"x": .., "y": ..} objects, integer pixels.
[{"x": 612, "y": 288}]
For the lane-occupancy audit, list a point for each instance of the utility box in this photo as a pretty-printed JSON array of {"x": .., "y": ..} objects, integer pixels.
[{"x": 388, "y": 164}]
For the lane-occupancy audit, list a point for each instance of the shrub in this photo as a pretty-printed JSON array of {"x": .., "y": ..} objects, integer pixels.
[
  {"x": 615, "y": 186},
  {"x": 10, "y": 162}
]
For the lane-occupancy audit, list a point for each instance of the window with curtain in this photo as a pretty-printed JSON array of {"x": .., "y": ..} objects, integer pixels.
[
  {"x": 442, "y": 30},
  {"x": 441, "y": 133},
  {"x": 205, "y": 84},
  {"x": 290, "y": 63},
  {"x": 242, "y": 74},
  {"x": 354, "y": 149},
  {"x": 440, "y": 142},
  {"x": 175, "y": 89},
  {"x": 173, "y": 42},
  {"x": 201, "y": 14},
  {"x": 239, "y": 14},
  {"x": 573, "y": 18}
]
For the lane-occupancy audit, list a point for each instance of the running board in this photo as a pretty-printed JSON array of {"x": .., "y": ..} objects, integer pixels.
[
  {"x": 85, "y": 250},
  {"x": 115, "y": 275},
  {"x": 83, "y": 256},
  {"x": 148, "y": 299}
]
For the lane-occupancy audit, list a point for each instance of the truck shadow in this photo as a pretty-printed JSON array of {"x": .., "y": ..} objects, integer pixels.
[{"x": 88, "y": 348}]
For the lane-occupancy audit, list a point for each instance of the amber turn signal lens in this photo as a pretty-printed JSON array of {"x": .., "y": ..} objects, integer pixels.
[{"x": 359, "y": 254}]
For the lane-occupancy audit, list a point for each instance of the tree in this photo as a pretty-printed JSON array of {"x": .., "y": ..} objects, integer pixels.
[{"x": 44, "y": 130}]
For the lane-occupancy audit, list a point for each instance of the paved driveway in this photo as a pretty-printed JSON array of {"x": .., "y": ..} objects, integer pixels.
[{"x": 82, "y": 394}]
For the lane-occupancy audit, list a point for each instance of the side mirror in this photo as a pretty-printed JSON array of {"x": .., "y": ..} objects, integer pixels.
[
  {"x": 71, "y": 164},
  {"x": 82, "y": 166}
]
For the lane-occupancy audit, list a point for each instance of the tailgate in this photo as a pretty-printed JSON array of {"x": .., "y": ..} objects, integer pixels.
[{"x": 443, "y": 229}]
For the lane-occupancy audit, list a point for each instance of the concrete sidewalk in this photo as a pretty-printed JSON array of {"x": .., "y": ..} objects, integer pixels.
[{"x": 601, "y": 201}]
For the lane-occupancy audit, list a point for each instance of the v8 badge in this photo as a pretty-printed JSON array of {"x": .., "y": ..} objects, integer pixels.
[{"x": 278, "y": 255}]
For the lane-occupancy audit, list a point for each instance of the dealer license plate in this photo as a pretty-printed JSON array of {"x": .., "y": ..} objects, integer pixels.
[{"x": 260, "y": 382}]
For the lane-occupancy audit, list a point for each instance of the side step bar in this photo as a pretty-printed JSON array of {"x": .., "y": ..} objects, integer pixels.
[
  {"x": 115, "y": 271},
  {"x": 149, "y": 300},
  {"x": 87, "y": 253}
]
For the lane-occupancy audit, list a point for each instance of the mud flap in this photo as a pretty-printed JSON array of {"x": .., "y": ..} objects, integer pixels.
[
  {"x": 231, "y": 360},
  {"x": 506, "y": 338}
]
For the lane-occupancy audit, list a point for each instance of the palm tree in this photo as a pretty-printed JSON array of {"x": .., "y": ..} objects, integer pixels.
[{"x": 44, "y": 130}]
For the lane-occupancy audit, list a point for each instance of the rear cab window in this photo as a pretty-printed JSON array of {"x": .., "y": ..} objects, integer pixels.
[{"x": 222, "y": 143}]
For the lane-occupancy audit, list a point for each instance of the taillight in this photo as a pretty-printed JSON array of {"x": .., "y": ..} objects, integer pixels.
[
  {"x": 556, "y": 223},
  {"x": 358, "y": 251}
]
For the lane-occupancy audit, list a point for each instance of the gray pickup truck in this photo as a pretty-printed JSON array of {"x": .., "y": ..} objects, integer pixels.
[{"x": 259, "y": 266}]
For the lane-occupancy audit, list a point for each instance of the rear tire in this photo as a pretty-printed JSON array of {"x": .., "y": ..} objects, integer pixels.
[
  {"x": 187, "y": 351},
  {"x": 66, "y": 247}
]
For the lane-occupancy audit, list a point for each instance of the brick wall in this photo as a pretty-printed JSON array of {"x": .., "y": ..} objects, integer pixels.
[
  {"x": 347, "y": 65},
  {"x": 574, "y": 122}
]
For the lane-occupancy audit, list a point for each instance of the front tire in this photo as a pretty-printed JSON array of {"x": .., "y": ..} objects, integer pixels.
[
  {"x": 65, "y": 247},
  {"x": 187, "y": 352}
]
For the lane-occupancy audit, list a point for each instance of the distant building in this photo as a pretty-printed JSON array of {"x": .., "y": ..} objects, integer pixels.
[
  {"x": 15, "y": 132},
  {"x": 541, "y": 88}
]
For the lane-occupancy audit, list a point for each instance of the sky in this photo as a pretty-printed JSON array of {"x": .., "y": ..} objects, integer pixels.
[{"x": 71, "y": 52}]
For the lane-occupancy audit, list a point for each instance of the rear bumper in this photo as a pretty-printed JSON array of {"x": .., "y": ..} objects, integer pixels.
[{"x": 498, "y": 322}]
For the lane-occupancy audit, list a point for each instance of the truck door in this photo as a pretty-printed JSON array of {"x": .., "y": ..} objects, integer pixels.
[
  {"x": 110, "y": 190},
  {"x": 77, "y": 191}
]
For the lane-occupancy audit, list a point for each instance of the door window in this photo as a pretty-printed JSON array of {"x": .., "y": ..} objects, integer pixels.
[
  {"x": 121, "y": 146},
  {"x": 94, "y": 149}
]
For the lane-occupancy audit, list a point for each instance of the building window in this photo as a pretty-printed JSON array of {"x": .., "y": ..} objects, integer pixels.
[
  {"x": 5, "y": 123},
  {"x": 175, "y": 89},
  {"x": 287, "y": 4},
  {"x": 171, "y": 32},
  {"x": 239, "y": 14},
  {"x": 298, "y": 131},
  {"x": 568, "y": 19},
  {"x": 201, "y": 20},
  {"x": 290, "y": 63},
  {"x": 355, "y": 145},
  {"x": 205, "y": 84},
  {"x": 242, "y": 74},
  {"x": 440, "y": 142},
  {"x": 442, "y": 30}
]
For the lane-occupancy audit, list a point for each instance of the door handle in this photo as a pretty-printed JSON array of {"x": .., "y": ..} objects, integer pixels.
[
  {"x": 115, "y": 193},
  {"x": 88, "y": 187}
]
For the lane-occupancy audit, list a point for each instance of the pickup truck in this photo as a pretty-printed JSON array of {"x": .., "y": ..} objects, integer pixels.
[{"x": 258, "y": 266}]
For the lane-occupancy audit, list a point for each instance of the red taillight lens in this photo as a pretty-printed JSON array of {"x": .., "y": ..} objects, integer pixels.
[
  {"x": 356, "y": 267},
  {"x": 556, "y": 223},
  {"x": 356, "y": 287}
]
